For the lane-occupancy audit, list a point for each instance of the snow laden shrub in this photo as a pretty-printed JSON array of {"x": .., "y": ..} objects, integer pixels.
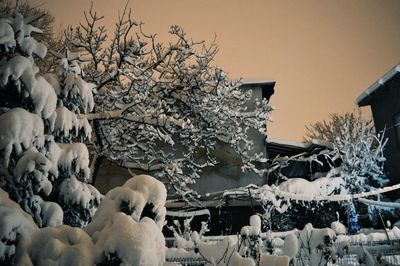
[
  {"x": 63, "y": 245},
  {"x": 164, "y": 108},
  {"x": 123, "y": 232},
  {"x": 14, "y": 225},
  {"x": 361, "y": 154},
  {"x": 43, "y": 167}
]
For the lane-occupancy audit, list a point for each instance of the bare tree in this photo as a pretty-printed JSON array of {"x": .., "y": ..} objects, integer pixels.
[
  {"x": 339, "y": 126},
  {"x": 163, "y": 107}
]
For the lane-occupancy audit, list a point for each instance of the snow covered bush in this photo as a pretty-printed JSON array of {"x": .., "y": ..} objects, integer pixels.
[
  {"x": 62, "y": 245},
  {"x": 46, "y": 178},
  {"x": 14, "y": 224},
  {"x": 123, "y": 233}
]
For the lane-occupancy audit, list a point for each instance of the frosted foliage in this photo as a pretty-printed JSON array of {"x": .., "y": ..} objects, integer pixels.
[
  {"x": 119, "y": 232},
  {"x": 312, "y": 239},
  {"x": 153, "y": 192},
  {"x": 44, "y": 98},
  {"x": 14, "y": 224},
  {"x": 113, "y": 201},
  {"x": 134, "y": 243},
  {"x": 15, "y": 31},
  {"x": 220, "y": 251},
  {"x": 63, "y": 122},
  {"x": 176, "y": 105},
  {"x": 34, "y": 168},
  {"x": 19, "y": 130},
  {"x": 74, "y": 191},
  {"x": 42, "y": 94},
  {"x": 30, "y": 46},
  {"x": 77, "y": 89},
  {"x": 19, "y": 68},
  {"x": 362, "y": 158},
  {"x": 7, "y": 40},
  {"x": 62, "y": 245},
  {"x": 72, "y": 158},
  {"x": 44, "y": 213}
]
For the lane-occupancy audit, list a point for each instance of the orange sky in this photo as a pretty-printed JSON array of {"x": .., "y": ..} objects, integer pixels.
[{"x": 322, "y": 53}]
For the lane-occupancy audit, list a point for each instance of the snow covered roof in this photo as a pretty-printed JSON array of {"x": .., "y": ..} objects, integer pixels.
[
  {"x": 281, "y": 147},
  {"x": 365, "y": 98},
  {"x": 266, "y": 85}
]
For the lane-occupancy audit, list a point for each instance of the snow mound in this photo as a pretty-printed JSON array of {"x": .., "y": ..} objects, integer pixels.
[
  {"x": 237, "y": 260},
  {"x": 14, "y": 224},
  {"x": 273, "y": 260},
  {"x": 339, "y": 228},
  {"x": 153, "y": 192},
  {"x": 62, "y": 245},
  {"x": 130, "y": 242},
  {"x": 290, "y": 246},
  {"x": 20, "y": 130}
]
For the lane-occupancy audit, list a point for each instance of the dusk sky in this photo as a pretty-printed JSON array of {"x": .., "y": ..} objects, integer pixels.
[{"x": 322, "y": 54}]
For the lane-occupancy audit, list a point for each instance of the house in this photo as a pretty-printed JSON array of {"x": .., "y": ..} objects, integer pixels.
[{"x": 384, "y": 99}]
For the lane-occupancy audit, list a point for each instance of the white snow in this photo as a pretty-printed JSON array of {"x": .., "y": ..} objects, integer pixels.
[
  {"x": 19, "y": 67},
  {"x": 30, "y": 46},
  {"x": 43, "y": 97},
  {"x": 153, "y": 191},
  {"x": 61, "y": 245},
  {"x": 135, "y": 243},
  {"x": 76, "y": 192},
  {"x": 274, "y": 260},
  {"x": 237, "y": 260},
  {"x": 14, "y": 223},
  {"x": 41, "y": 168},
  {"x": 75, "y": 86},
  {"x": 120, "y": 234},
  {"x": 73, "y": 158},
  {"x": 339, "y": 228},
  {"x": 63, "y": 121},
  {"x": 20, "y": 130},
  {"x": 290, "y": 246},
  {"x": 7, "y": 39}
]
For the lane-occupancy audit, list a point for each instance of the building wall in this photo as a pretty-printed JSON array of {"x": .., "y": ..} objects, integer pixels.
[{"x": 385, "y": 106}]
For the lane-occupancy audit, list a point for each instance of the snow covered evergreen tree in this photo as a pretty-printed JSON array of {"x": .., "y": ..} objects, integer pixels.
[
  {"x": 164, "y": 108},
  {"x": 42, "y": 168}
]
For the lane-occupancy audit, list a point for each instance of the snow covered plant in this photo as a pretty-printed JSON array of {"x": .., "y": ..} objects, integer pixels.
[
  {"x": 361, "y": 154},
  {"x": 164, "y": 108},
  {"x": 41, "y": 167}
]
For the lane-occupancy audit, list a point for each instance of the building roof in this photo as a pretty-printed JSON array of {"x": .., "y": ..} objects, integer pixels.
[
  {"x": 365, "y": 98},
  {"x": 289, "y": 148},
  {"x": 267, "y": 86}
]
